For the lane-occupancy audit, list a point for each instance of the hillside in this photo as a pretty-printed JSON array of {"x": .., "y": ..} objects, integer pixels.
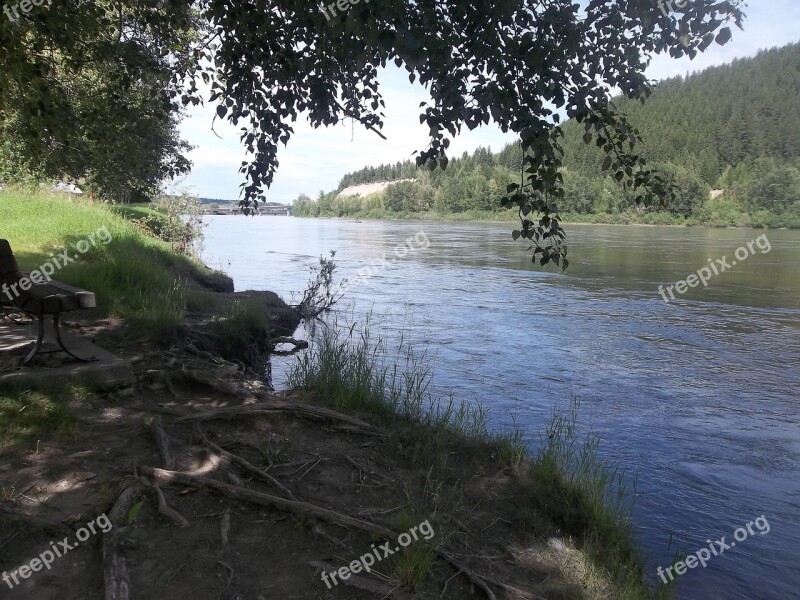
[{"x": 735, "y": 127}]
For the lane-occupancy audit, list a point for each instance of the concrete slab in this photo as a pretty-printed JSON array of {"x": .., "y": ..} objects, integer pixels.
[{"x": 105, "y": 371}]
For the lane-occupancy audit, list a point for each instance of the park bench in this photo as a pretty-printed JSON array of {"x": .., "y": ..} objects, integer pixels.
[{"x": 40, "y": 300}]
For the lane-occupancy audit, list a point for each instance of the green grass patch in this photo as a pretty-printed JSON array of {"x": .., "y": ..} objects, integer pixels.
[
  {"x": 133, "y": 275},
  {"x": 27, "y": 416},
  {"x": 146, "y": 216},
  {"x": 243, "y": 332}
]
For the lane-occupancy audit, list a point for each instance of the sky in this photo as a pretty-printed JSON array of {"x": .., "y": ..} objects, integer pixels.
[{"x": 316, "y": 159}]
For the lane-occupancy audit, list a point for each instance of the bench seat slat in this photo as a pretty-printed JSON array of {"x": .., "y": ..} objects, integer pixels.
[{"x": 42, "y": 298}]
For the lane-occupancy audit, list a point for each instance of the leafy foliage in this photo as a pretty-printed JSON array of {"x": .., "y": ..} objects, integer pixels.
[
  {"x": 693, "y": 141},
  {"x": 320, "y": 295},
  {"x": 84, "y": 95},
  {"x": 514, "y": 62}
]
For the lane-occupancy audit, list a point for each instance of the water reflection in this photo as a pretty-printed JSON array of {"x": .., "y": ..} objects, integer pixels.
[{"x": 699, "y": 396}]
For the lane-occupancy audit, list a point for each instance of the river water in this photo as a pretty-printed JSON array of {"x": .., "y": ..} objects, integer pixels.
[{"x": 700, "y": 396}]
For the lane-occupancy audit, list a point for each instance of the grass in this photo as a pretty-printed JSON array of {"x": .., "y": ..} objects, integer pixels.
[
  {"x": 352, "y": 374},
  {"x": 243, "y": 332},
  {"x": 590, "y": 500},
  {"x": 567, "y": 490},
  {"x": 145, "y": 215},
  {"x": 134, "y": 276},
  {"x": 27, "y": 416},
  {"x": 415, "y": 562}
]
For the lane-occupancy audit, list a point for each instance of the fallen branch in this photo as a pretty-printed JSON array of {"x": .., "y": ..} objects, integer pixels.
[
  {"x": 162, "y": 441},
  {"x": 248, "y": 466}
]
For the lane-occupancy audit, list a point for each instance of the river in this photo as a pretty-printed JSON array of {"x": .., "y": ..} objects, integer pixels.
[{"x": 699, "y": 396}]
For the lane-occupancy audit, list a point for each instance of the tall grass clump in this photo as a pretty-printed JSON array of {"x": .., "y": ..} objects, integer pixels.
[
  {"x": 587, "y": 498},
  {"x": 354, "y": 373}
]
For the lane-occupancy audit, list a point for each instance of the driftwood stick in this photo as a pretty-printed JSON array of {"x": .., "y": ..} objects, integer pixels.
[
  {"x": 162, "y": 441},
  {"x": 367, "y": 584},
  {"x": 167, "y": 511},
  {"x": 248, "y": 466},
  {"x": 317, "y": 413}
]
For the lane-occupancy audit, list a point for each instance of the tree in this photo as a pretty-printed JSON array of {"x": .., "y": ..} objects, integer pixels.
[
  {"x": 514, "y": 62},
  {"x": 84, "y": 95}
]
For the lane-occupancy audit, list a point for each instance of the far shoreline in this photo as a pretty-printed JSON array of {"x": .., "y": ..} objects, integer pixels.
[{"x": 441, "y": 219}]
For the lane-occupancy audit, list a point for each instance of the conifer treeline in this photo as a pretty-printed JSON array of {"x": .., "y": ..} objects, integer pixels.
[{"x": 735, "y": 127}]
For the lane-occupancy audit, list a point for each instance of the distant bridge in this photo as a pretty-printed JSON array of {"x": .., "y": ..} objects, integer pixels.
[{"x": 283, "y": 210}]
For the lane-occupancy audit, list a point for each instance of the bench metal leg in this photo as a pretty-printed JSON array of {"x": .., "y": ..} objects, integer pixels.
[
  {"x": 57, "y": 328},
  {"x": 38, "y": 345}
]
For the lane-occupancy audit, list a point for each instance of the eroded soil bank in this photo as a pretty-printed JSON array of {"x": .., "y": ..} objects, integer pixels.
[{"x": 306, "y": 487}]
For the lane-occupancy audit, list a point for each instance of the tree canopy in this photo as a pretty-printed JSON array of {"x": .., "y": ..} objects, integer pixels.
[
  {"x": 735, "y": 127},
  {"x": 517, "y": 63}
]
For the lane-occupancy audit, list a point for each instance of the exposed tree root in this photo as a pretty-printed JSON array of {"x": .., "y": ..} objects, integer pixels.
[
  {"x": 162, "y": 441},
  {"x": 115, "y": 572},
  {"x": 474, "y": 578},
  {"x": 244, "y": 494},
  {"x": 361, "y": 582},
  {"x": 167, "y": 511},
  {"x": 304, "y": 509},
  {"x": 316, "y": 413},
  {"x": 248, "y": 466},
  {"x": 214, "y": 383}
]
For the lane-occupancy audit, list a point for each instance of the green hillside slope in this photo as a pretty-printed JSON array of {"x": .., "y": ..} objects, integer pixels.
[{"x": 734, "y": 128}]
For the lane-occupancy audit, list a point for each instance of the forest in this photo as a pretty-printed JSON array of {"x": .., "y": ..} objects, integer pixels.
[{"x": 734, "y": 129}]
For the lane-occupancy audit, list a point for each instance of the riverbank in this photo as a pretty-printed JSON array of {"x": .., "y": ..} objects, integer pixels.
[
  {"x": 719, "y": 216},
  {"x": 260, "y": 492}
]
